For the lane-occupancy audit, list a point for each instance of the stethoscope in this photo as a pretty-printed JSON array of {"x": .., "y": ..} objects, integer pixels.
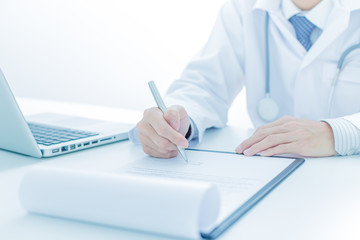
[{"x": 269, "y": 109}]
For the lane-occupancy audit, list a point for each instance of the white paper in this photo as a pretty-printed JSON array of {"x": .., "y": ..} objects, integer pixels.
[
  {"x": 165, "y": 196},
  {"x": 237, "y": 177},
  {"x": 170, "y": 207}
]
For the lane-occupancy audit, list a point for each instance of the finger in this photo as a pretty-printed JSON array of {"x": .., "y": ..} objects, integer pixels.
[
  {"x": 152, "y": 149},
  {"x": 155, "y": 118},
  {"x": 155, "y": 153},
  {"x": 163, "y": 129},
  {"x": 146, "y": 134},
  {"x": 182, "y": 112},
  {"x": 281, "y": 149},
  {"x": 172, "y": 116},
  {"x": 259, "y": 135},
  {"x": 184, "y": 120},
  {"x": 146, "y": 141},
  {"x": 150, "y": 137},
  {"x": 269, "y": 142}
]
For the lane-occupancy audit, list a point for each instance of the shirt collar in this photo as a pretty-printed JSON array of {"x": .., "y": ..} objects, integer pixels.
[
  {"x": 267, "y": 5},
  {"x": 317, "y": 15}
]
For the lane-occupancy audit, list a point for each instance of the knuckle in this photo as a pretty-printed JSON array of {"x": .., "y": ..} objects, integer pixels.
[
  {"x": 146, "y": 113},
  {"x": 149, "y": 112}
]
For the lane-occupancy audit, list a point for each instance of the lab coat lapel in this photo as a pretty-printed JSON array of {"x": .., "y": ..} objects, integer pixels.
[
  {"x": 295, "y": 45},
  {"x": 337, "y": 24}
]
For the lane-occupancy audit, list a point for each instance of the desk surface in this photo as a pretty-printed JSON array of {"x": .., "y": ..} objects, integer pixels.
[{"x": 321, "y": 200}]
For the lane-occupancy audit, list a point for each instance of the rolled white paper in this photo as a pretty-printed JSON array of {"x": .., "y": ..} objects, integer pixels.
[{"x": 166, "y": 206}]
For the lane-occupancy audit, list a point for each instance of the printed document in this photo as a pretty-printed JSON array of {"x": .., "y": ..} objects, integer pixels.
[{"x": 238, "y": 177}]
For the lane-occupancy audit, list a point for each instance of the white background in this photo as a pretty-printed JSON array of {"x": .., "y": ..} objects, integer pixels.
[{"x": 102, "y": 51}]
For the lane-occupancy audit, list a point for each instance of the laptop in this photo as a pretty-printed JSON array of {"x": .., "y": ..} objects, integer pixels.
[{"x": 49, "y": 134}]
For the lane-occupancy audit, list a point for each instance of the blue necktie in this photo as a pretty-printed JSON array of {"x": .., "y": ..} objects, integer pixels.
[{"x": 303, "y": 28}]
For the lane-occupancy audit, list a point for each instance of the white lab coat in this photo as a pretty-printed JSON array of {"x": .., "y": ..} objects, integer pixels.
[{"x": 300, "y": 81}]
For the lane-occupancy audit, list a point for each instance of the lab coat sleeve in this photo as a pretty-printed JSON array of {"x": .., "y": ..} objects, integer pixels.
[{"x": 213, "y": 78}]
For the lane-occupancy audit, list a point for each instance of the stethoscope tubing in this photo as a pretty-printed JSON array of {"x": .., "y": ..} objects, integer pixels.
[{"x": 340, "y": 67}]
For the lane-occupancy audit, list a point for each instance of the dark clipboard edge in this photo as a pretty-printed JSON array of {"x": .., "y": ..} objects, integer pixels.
[{"x": 251, "y": 202}]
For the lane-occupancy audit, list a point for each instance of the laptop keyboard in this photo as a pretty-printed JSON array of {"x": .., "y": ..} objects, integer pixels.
[{"x": 48, "y": 135}]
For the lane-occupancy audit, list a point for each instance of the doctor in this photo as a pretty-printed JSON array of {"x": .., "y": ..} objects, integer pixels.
[{"x": 297, "y": 58}]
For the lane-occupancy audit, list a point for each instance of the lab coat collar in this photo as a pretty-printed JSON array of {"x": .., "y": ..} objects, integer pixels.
[
  {"x": 317, "y": 15},
  {"x": 337, "y": 23},
  {"x": 290, "y": 9},
  {"x": 274, "y": 8}
]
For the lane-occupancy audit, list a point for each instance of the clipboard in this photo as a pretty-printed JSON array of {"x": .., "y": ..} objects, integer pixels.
[
  {"x": 258, "y": 196},
  {"x": 200, "y": 199}
]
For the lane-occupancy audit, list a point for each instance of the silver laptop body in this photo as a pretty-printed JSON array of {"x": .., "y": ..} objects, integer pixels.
[{"x": 48, "y": 134}]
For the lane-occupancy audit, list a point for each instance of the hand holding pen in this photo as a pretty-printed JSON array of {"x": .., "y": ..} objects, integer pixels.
[{"x": 160, "y": 133}]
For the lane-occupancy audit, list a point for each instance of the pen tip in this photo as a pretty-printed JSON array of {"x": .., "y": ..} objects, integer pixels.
[{"x": 183, "y": 155}]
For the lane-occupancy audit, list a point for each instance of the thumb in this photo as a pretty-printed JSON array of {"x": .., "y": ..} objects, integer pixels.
[{"x": 172, "y": 116}]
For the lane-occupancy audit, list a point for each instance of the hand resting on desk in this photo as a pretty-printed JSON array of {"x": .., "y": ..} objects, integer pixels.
[{"x": 290, "y": 135}]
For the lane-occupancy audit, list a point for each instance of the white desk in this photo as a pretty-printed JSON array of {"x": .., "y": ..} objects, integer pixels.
[{"x": 321, "y": 200}]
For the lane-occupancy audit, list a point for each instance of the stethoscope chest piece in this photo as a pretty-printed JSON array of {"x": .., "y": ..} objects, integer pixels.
[{"x": 268, "y": 109}]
